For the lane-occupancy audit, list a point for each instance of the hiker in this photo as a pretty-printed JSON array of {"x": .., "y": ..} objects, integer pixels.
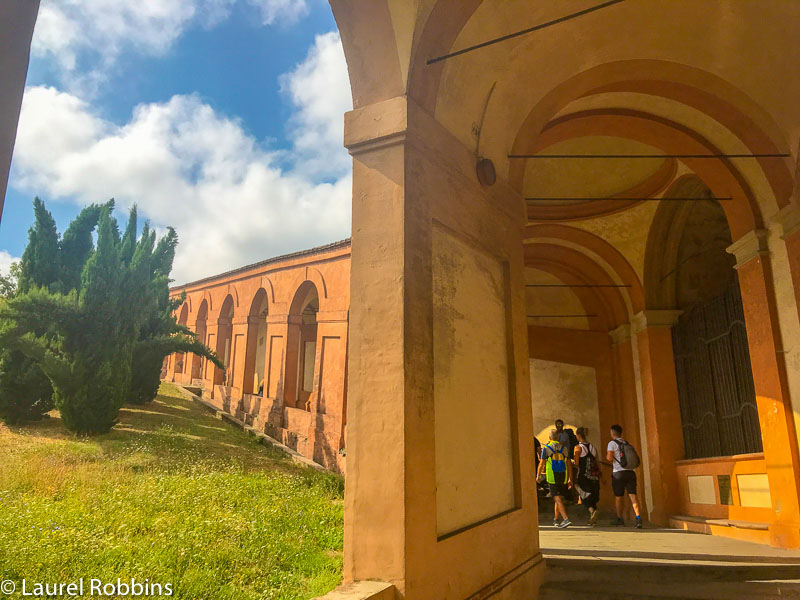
[
  {"x": 624, "y": 458},
  {"x": 566, "y": 436},
  {"x": 587, "y": 481},
  {"x": 537, "y": 453},
  {"x": 555, "y": 466}
]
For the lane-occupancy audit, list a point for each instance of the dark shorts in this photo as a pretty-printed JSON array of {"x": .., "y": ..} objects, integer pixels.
[
  {"x": 558, "y": 489},
  {"x": 623, "y": 482}
]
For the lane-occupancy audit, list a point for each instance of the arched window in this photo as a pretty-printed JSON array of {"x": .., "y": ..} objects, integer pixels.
[{"x": 302, "y": 347}]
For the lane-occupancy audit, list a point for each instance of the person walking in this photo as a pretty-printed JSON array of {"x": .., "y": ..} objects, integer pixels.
[
  {"x": 557, "y": 470},
  {"x": 588, "y": 479},
  {"x": 624, "y": 458},
  {"x": 566, "y": 436}
]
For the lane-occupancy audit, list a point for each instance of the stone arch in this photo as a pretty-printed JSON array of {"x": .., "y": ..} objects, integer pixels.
[
  {"x": 301, "y": 346},
  {"x": 613, "y": 257},
  {"x": 661, "y": 253},
  {"x": 687, "y": 85},
  {"x": 575, "y": 268},
  {"x": 233, "y": 291},
  {"x": 255, "y": 353},
  {"x": 720, "y": 175},
  {"x": 269, "y": 288},
  {"x": 224, "y": 343},
  {"x": 200, "y": 328},
  {"x": 315, "y": 276},
  {"x": 371, "y": 50}
]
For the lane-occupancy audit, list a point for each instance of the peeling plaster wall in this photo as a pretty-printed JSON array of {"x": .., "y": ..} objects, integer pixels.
[{"x": 474, "y": 460}]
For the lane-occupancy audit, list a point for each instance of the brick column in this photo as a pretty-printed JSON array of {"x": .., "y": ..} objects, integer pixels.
[
  {"x": 775, "y": 413},
  {"x": 661, "y": 409}
]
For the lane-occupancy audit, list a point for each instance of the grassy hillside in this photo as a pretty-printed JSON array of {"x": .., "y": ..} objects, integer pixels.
[{"x": 170, "y": 495}]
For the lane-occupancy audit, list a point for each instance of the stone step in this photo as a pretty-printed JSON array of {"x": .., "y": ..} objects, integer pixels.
[
  {"x": 647, "y": 570},
  {"x": 643, "y": 578},
  {"x": 752, "y": 590}
]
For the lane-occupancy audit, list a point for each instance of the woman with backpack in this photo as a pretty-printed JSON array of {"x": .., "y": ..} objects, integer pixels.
[{"x": 588, "y": 479}]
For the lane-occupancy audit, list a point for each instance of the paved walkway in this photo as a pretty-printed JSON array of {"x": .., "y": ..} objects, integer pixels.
[{"x": 657, "y": 544}]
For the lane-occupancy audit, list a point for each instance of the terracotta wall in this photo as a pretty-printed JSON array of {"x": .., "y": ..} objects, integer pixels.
[{"x": 313, "y": 424}]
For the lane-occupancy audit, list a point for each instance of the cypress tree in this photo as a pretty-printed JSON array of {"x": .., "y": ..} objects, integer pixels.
[
  {"x": 161, "y": 335},
  {"x": 87, "y": 340},
  {"x": 26, "y": 393}
]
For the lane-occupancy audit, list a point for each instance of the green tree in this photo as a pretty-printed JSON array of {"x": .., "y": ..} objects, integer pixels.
[
  {"x": 8, "y": 283},
  {"x": 55, "y": 264},
  {"x": 87, "y": 340},
  {"x": 161, "y": 335}
]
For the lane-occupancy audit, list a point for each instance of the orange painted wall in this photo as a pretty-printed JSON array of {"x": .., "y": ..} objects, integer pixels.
[{"x": 318, "y": 433}]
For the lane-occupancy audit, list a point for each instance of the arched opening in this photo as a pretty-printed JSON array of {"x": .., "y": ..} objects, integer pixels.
[
  {"x": 302, "y": 347},
  {"x": 198, "y": 362},
  {"x": 256, "y": 345},
  {"x": 180, "y": 357},
  {"x": 690, "y": 270},
  {"x": 224, "y": 338}
]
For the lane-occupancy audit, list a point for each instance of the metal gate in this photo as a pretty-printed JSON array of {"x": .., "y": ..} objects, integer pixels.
[{"x": 715, "y": 381}]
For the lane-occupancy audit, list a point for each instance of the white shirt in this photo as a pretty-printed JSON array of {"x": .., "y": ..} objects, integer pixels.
[{"x": 613, "y": 447}]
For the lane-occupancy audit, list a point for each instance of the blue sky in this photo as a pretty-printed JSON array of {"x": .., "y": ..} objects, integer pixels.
[{"x": 222, "y": 118}]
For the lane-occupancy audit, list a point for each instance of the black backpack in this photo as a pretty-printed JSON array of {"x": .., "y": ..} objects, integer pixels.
[
  {"x": 628, "y": 458},
  {"x": 592, "y": 466},
  {"x": 573, "y": 439}
]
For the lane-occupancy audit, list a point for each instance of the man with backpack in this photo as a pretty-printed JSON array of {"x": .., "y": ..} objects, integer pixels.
[
  {"x": 566, "y": 436},
  {"x": 624, "y": 458},
  {"x": 556, "y": 466}
]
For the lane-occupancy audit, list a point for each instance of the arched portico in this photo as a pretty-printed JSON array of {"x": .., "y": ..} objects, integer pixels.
[
  {"x": 200, "y": 328},
  {"x": 431, "y": 245}
]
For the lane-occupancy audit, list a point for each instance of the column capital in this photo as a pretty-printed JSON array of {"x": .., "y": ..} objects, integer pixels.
[
  {"x": 749, "y": 246},
  {"x": 621, "y": 334},
  {"x": 376, "y": 125},
  {"x": 788, "y": 218},
  {"x": 654, "y": 318}
]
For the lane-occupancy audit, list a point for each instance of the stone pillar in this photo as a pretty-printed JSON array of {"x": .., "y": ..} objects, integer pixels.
[
  {"x": 789, "y": 219},
  {"x": 775, "y": 414},
  {"x": 248, "y": 385},
  {"x": 238, "y": 358},
  {"x": 209, "y": 369},
  {"x": 288, "y": 392},
  {"x": 440, "y": 497},
  {"x": 661, "y": 410},
  {"x": 327, "y": 400}
]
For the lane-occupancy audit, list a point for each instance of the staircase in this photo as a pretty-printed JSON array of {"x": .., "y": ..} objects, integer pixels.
[
  {"x": 644, "y": 578},
  {"x": 663, "y": 564}
]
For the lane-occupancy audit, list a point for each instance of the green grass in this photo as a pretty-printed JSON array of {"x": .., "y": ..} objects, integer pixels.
[{"x": 171, "y": 495}]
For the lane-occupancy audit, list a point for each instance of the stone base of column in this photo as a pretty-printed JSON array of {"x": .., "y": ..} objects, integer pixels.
[
  {"x": 362, "y": 590},
  {"x": 784, "y": 535}
]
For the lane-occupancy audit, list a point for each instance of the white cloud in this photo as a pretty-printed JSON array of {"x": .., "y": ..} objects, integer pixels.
[
  {"x": 320, "y": 88},
  {"x": 5, "y": 261},
  {"x": 187, "y": 166},
  {"x": 85, "y": 38}
]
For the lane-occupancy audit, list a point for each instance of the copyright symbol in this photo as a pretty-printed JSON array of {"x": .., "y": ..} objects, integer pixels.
[{"x": 8, "y": 587}]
